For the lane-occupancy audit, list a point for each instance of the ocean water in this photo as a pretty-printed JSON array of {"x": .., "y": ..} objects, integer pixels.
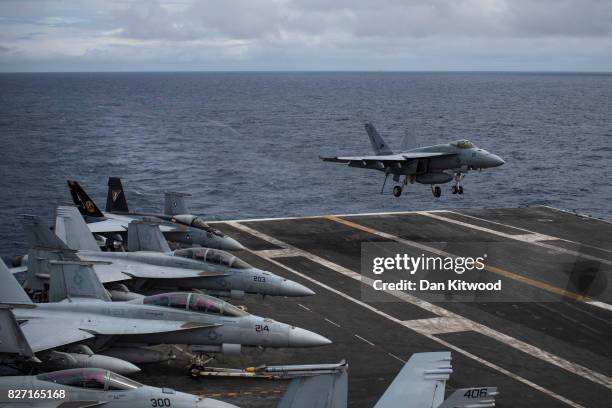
[{"x": 246, "y": 145}]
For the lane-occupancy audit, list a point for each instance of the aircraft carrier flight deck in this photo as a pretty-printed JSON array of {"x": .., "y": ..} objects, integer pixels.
[{"x": 544, "y": 354}]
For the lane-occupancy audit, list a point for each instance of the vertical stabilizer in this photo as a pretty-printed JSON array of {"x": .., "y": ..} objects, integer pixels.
[
  {"x": 175, "y": 203},
  {"x": 12, "y": 340},
  {"x": 319, "y": 391},
  {"x": 420, "y": 382},
  {"x": 71, "y": 228},
  {"x": 39, "y": 235},
  {"x": 115, "y": 198},
  {"x": 378, "y": 144},
  {"x": 11, "y": 292},
  {"x": 146, "y": 236},
  {"x": 80, "y": 198},
  {"x": 74, "y": 281}
]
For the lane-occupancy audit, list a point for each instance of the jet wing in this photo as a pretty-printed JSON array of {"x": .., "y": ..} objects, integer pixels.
[
  {"x": 119, "y": 223},
  {"x": 421, "y": 381},
  {"x": 78, "y": 328},
  {"x": 118, "y": 271},
  {"x": 382, "y": 161}
]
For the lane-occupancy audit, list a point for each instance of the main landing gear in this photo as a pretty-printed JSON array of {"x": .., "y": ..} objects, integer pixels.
[
  {"x": 436, "y": 190},
  {"x": 397, "y": 190},
  {"x": 456, "y": 188}
]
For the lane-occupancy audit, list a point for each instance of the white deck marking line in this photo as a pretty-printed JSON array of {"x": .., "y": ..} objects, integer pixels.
[
  {"x": 314, "y": 217},
  {"x": 330, "y": 322},
  {"x": 577, "y": 214},
  {"x": 396, "y": 357},
  {"x": 364, "y": 340},
  {"x": 431, "y": 337},
  {"x": 534, "y": 351},
  {"x": 599, "y": 304},
  {"x": 277, "y": 253},
  {"x": 439, "y": 325},
  {"x": 533, "y": 232},
  {"x": 528, "y": 238},
  {"x": 303, "y": 307}
]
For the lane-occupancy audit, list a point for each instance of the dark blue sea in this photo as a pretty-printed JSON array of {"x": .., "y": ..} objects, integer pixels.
[{"x": 247, "y": 144}]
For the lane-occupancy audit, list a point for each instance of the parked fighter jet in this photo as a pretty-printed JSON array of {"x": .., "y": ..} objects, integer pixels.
[
  {"x": 432, "y": 165},
  {"x": 90, "y": 387},
  {"x": 183, "y": 228},
  {"x": 152, "y": 263},
  {"x": 81, "y": 311}
]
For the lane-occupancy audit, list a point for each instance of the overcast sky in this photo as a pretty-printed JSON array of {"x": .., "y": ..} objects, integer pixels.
[{"x": 106, "y": 35}]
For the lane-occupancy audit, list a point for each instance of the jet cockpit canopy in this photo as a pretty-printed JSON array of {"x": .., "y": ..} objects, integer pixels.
[
  {"x": 213, "y": 256},
  {"x": 463, "y": 144},
  {"x": 195, "y": 302},
  {"x": 90, "y": 378}
]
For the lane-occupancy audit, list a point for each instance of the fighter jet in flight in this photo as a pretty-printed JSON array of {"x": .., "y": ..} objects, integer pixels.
[
  {"x": 182, "y": 228},
  {"x": 93, "y": 387},
  {"x": 434, "y": 165},
  {"x": 81, "y": 311},
  {"x": 150, "y": 262}
]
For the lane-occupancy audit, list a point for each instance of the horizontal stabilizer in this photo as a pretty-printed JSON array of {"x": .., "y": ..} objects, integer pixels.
[{"x": 477, "y": 397}]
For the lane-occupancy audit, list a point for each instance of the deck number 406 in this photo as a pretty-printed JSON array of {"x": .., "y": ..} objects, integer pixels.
[{"x": 476, "y": 393}]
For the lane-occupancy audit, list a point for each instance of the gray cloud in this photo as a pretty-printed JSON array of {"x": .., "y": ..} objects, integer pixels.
[{"x": 309, "y": 34}]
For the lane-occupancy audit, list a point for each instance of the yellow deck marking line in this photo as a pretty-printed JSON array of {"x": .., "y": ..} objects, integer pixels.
[
  {"x": 519, "y": 278},
  {"x": 534, "y": 351}
]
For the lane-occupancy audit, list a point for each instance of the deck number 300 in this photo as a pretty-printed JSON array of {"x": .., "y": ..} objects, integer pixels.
[{"x": 160, "y": 402}]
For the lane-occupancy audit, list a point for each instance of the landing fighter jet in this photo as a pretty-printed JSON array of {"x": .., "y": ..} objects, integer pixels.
[
  {"x": 432, "y": 165},
  {"x": 183, "y": 228},
  {"x": 152, "y": 264},
  {"x": 91, "y": 387},
  {"x": 81, "y": 311}
]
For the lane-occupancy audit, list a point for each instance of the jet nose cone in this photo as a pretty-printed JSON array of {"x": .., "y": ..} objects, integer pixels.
[
  {"x": 230, "y": 244},
  {"x": 291, "y": 288},
  {"x": 213, "y": 403},
  {"x": 496, "y": 161},
  {"x": 304, "y": 338}
]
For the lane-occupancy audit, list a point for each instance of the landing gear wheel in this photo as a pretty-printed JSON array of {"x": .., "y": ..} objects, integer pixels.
[
  {"x": 454, "y": 189},
  {"x": 437, "y": 191},
  {"x": 397, "y": 191},
  {"x": 460, "y": 190},
  {"x": 194, "y": 371}
]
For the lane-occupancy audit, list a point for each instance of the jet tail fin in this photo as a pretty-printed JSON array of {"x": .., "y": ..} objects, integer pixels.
[
  {"x": 421, "y": 381},
  {"x": 80, "y": 198},
  {"x": 12, "y": 339},
  {"x": 477, "y": 397},
  {"x": 175, "y": 203},
  {"x": 74, "y": 280},
  {"x": 378, "y": 144},
  {"x": 319, "y": 391},
  {"x": 71, "y": 228},
  {"x": 11, "y": 292},
  {"x": 115, "y": 198},
  {"x": 38, "y": 235},
  {"x": 146, "y": 236}
]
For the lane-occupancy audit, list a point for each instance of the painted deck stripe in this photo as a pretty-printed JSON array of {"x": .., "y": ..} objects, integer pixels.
[
  {"x": 534, "y": 351},
  {"x": 533, "y": 238},
  {"x": 433, "y": 338},
  {"x": 514, "y": 276},
  {"x": 330, "y": 322},
  {"x": 364, "y": 340}
]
